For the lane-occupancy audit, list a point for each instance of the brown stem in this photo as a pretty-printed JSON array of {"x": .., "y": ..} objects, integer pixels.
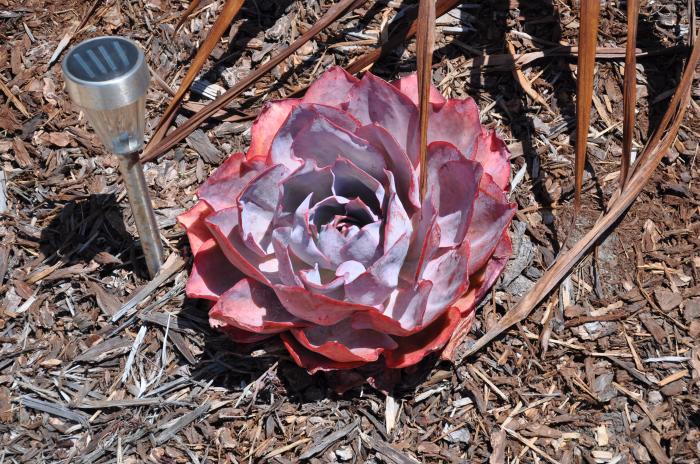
[{"x": 630, "y": 89}]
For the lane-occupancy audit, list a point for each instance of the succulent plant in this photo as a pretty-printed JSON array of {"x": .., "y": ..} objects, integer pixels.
[{"x": 318, "y": 232}]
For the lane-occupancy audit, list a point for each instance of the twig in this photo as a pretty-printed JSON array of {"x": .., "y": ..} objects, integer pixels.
[
  {"x": 488, "y": 382},
  {"x": 55, "y": 409},
  {"x": 387, "y": 450},
  {"x": 172, "y": 265},
  {"x": 132, "y": 354},
  {"x": 181, "y": 423},
  {"x": 524, "y": 82},
  {"x": 532, "y": 446},
  {"x": 16, "y": 101},
  {"x": 328, "y": 440}
]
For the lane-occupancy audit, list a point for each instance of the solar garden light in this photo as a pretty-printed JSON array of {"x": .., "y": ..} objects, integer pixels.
[{"x": 108, "y": 78}]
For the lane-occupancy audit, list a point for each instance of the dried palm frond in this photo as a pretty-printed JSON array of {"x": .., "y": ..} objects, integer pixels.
[
  {"x": 229, "y": 11},
  {"x": 630, "y": 89},
  {"x": 159, "y": 146},
  {"x": 642, "y": 171},
  {"x": 587, "y": 41},
  {"x": 425, "y": 41}
]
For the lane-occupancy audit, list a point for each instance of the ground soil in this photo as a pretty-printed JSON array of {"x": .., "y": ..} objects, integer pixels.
[{"x": 607, "y": 369}]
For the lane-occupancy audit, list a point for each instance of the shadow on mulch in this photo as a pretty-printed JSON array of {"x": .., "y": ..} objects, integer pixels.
[
  {"x": 233, "y": 366},
  {"x": 540, "y": 19},
  {"x": 256, "y": 18},
  {"x": 87, "y": 227},
  {"x": 661, "y": 79}
]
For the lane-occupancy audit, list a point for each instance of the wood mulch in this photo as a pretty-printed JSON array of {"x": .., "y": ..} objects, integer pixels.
[{"x": 97, "y": 364}]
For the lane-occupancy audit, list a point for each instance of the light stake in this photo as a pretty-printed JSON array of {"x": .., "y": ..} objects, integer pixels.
[{"x": 108, "y": 78}]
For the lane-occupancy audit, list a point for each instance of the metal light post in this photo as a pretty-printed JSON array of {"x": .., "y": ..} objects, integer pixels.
[{"x": 108, "y": 78}]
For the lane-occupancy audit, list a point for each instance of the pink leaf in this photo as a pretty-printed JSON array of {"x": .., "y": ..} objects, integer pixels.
[
  {"x": 414, "y": 348},
  {"x": 494, "y": 157},
  {"x": 222, "y": 188},
  {"x": 331, "y": 88},
  {"x": 257, "y": 205},
  {"x": 254, "y": 307},
  {"x": 226, "y": 231},
  {"x": 342, "y": 343},
  {"x": 196, "y": 228},
  {"x": 318, "y": 309},
  {"x": 455, "y": 122},
  {"x": 492, "y": 215},
  {"x": 482, "y": 279},
  {"x": 271, "y": 118},
  {"x": 302, "y": 116},
  {"x": 212, "y": 274},
  {"x": 449, "y": 274},
  {"x": 323, "y": 142},
  {"x": 409, "y": 86},
  {"x": 403, "y": 314},
  {"x": 312, "y": 361},
  {"x": 453, "y": 186},
  {"x": 397, "y": 162},
  {"x": 373, "y": 101}
]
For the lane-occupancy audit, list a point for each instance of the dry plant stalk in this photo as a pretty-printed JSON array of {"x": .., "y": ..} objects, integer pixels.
[
  {"x": 588, "y": 37},
  {"x": 642, "y": 171},
  {"x": 425, "y": 42},
  {"x": 157, "y": 147},
  {"x": 630, "y": 89},
  {"x": 229, "y": 11},
  {"x": 186, "y": 14}
]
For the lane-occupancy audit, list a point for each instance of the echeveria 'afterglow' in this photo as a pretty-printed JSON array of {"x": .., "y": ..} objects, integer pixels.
[{"x": 318, "y": 234}]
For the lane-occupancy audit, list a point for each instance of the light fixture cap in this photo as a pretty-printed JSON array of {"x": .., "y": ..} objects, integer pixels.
[{"x": 105, "y": 73}]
